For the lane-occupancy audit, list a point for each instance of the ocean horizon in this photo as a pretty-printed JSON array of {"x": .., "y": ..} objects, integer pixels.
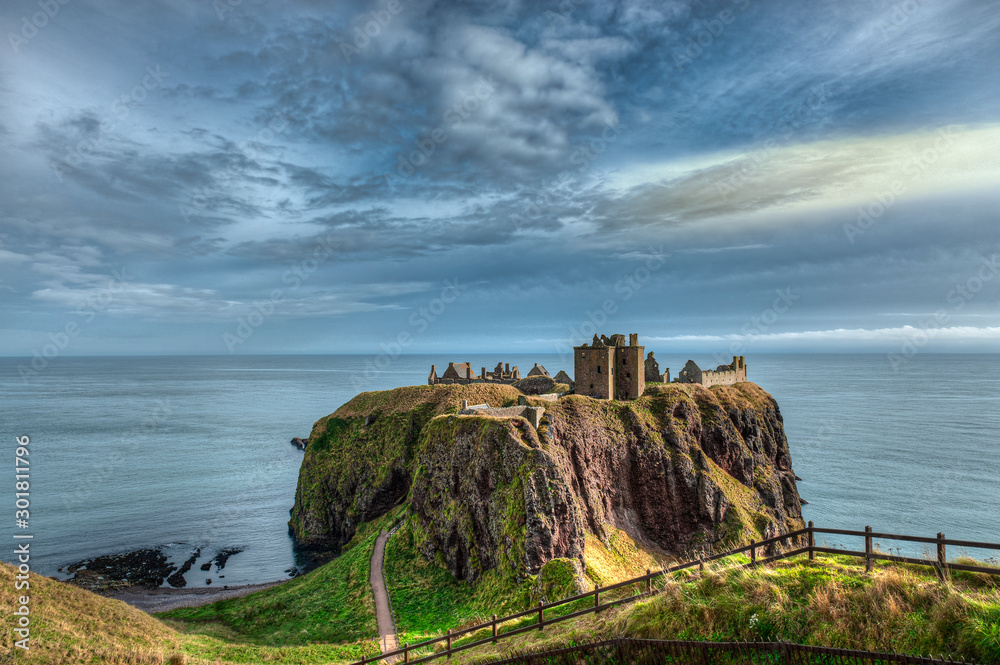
[{"x": 184, "y": 452}]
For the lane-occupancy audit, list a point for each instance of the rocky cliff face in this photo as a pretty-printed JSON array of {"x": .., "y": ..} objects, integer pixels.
[{"x": 682, "y": 470}]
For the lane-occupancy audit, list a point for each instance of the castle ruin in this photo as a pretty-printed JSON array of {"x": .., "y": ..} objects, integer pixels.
[
  {"x": 462, "y": 374},
  {"x": 607, "y": 368},
  {"x": 653, "y": 371},
  {"x": 723, "y": 375}
]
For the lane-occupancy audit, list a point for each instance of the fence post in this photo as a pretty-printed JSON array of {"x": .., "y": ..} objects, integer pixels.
[
  {"x": 811, "y": 542},
  {"x": 449, "y": 642},
  {"x": 597, "y": 596},
  {"x": 701, "y": 565},
  {"x": 753, "y": 553},
  {"x": 406, "y": 652},
  {"x": 942, "y": 560},
  {"x": 649, "y": 581},
  {"x": 541, "y": 615},
  {"x": 868, "y": 549},
  {"x": 494, "y": 628}
]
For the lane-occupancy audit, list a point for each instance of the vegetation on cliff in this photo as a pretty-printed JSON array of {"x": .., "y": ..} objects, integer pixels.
[
  {"x": 679, "y": 471},
  {"x": 495, "y": 515},
  {"x": 829, "y": 602}
]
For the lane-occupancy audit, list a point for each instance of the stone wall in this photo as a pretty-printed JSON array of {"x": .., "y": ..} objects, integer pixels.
[
  {"x": 723, "y": 375},
  {"x": 592, "y": 371},
  {"x": 630, "y": 372},
  {"x": 610, "y": 369},
  {"x": 533, "y": 414}
]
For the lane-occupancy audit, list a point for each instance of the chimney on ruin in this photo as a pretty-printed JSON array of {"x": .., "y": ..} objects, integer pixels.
[{"x": 633, "y": 339}]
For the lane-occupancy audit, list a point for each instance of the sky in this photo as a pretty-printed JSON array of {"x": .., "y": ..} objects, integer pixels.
[{"x": 406, "y": 176}]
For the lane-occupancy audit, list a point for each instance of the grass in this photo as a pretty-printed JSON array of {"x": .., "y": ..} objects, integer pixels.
[
  {"x": 332, "y": 604},
  {"x": 72, "y": 625},
  {"x": 427, "y": 600},
  {"x": 829, "y": 602}
]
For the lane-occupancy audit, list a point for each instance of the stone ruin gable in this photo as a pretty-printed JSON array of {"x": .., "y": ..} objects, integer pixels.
[
  {"x": 690, "y": 374},
  {"x": 653, "y": 371},
  {"x": 460, "y": 373},
  {"x": 610, "y": 369},
  {"x": 538, "y": 370},
  {"x": 533, "y": 414},
  {"x": 563, "y": 377},
  {"x": 723, "y": 375}
]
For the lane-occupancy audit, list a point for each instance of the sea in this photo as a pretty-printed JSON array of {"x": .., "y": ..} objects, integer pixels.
[{"x": 183, "y": 452}]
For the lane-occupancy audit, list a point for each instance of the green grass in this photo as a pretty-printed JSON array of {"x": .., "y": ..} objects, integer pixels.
[
  {"x": 829, "y": 602},
  {"x": 332, "y": 604},
  {"x": 427, "y": 600}
]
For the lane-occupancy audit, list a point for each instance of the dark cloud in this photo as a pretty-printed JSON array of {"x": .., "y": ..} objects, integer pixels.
[{"x": 542, "y": 153}]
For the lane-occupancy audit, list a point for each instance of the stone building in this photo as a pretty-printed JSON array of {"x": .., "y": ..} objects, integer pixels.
[
  {"x": 461, "y": 373},
  {"x": 653, "y": 371},
  {"x": 456, "y": 373},
  {"x": 563, "y": 377},
  {"x": 538, "y": 370},
  {"x": 723, "y": 375},
  {"x": 610, "y": 369}
]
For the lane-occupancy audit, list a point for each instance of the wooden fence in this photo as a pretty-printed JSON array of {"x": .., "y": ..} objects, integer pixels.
[
  {"x": 619, "y": 651},
  {"x": 808, "y": 534}
]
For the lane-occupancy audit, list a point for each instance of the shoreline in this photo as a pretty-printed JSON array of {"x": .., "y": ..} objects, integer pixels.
[{"x": 165, "y": 598}]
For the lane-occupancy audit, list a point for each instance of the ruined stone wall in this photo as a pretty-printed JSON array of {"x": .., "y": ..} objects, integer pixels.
[
  {"x": 630, "y": 372},
  {"x": 592, "y": 371},
  {"x": 533, "y": 414},
  {"x": 724, "y": 375}
]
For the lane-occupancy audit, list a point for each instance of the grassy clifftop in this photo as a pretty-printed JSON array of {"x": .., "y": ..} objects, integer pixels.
[
  {"x": 679, "y": 471},
  {"x": 359, "y": 460}
]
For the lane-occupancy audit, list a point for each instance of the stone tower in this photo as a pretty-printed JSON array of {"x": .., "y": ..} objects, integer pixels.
[{"x": 610, "y": 369}]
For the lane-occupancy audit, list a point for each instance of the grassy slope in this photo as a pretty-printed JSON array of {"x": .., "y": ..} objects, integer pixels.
[
  {"x": 331, "y": 604},
  {"x": 831, "y": 602},
  {"x": 71, "y": 625},
  {"x": 427, "y": 600}
]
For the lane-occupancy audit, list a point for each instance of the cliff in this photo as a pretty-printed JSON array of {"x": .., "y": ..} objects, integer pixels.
[{"x": 682, "y": 470}]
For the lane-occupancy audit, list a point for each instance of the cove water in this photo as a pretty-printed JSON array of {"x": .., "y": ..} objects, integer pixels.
[{"x": 184, "y": 452}]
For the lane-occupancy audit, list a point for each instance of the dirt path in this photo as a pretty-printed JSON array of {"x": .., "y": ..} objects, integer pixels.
[{"x": 386, "y": 627}]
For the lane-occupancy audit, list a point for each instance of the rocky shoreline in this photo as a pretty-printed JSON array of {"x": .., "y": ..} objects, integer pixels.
[{"x": 147, "y": 568}]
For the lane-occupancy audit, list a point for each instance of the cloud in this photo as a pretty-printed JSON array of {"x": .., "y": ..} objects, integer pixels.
[
  {"x": 743, "y": 165},
  {"x": 794, "y": 178}
]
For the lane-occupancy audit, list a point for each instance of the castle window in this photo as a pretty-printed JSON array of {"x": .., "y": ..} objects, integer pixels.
[
  {"x": 598, "y": 369},
  {"x": 628, "y": 375}
]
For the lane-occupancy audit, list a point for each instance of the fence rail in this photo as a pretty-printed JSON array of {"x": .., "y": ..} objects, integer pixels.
[
  {"x": 940, "y": 564},
  {"x": 648, "y": 652}
]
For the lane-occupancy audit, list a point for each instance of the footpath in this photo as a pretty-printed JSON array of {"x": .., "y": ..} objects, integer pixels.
[{"x": 383, "y": 613}]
